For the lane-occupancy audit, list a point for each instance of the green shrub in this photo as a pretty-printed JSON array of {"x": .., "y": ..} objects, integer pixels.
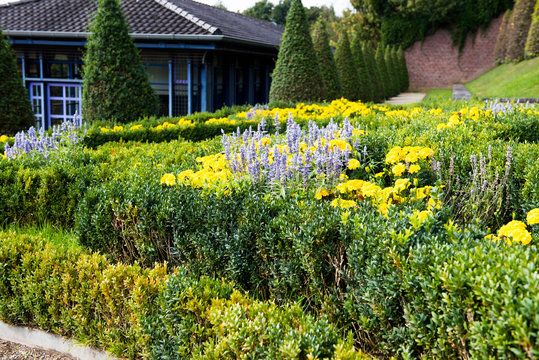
[
  {"x": 518, "y": 28},
  {"x": 374, "y": 72},
  {"x": 116, "y": 86},
  {"x": 532, "y": 43},
  {"x": 347, "y": 68},
  {"x": 384, "y": 74},
  {"x": 15, "y": 109},
  {"x": 296, "y": 76},
  {"x": 403, "y": 70},
  {"x": 328, "y": 69}
]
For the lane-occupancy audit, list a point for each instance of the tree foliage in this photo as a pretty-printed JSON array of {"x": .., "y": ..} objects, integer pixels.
[
  {"x": 15, "y": 109},
  {"x": 403, "y": 22},
  {"x": 365, "y": 91},
  {"x": 347, "y": 68},
  {"x": 517, "y": 32},
  {"x": 328, "y": 69},
  {"x": 116, "y": 86},
  {"x": 532, "y": 44},
  {"x": 405, "y": 79},
  {"x": 384, "y": 75},
  {"x": 374, "y": 72},
  {"x": 500, "y": 48},
  {"x": 296, "y": 77}
]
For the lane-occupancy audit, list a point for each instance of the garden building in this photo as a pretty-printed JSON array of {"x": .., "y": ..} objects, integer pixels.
[{"x": 198, "y": 57}]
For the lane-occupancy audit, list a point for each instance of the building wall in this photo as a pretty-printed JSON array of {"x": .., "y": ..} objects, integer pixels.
[{"x": 436, "y": 64}]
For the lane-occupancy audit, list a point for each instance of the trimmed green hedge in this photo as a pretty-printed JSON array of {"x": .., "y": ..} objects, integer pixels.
[{"x": 141, "y": 313}]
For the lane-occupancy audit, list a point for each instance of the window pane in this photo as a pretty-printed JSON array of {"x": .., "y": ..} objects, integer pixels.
[
  {"x": 73, "y": 92},
  {"x": 72, "y": 107},
  {"x": 36, "y": 106},
  {"x": 57, "y": 107},
  {"x": 56, "y": 91},
  {"x": 36, "y": 90},
  {"x": 56, "y": 120}
]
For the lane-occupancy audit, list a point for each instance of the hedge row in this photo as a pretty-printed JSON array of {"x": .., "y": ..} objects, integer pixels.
[{"x": 153, "y": 313}]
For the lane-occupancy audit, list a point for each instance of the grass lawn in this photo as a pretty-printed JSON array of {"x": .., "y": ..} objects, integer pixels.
[
  {"x": 438, "y": 95},
  {"x": 509, "y": 80}
]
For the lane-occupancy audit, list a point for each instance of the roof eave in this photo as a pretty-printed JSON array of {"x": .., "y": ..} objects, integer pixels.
[{"x": 138, "y": 36}]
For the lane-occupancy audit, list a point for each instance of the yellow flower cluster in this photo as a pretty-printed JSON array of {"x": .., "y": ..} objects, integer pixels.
[
  {"x": 397, "y": 156},
  {"x": 114, "y": 129},
  {"x": 515, "y": 231},
  {"x": 340, "y": 107},
  {"x": 404, "y": 113},
  {"x": 4, "y": 138},
  {"x": 212, "y": 175},
  {"x": 533, "y": 217},
  {"x": 458, "y": 118}
]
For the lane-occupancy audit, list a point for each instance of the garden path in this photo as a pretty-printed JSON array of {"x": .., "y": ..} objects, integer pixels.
[
  {"x": 406, "y": 98},
  {"x": 461, "y": 93}
]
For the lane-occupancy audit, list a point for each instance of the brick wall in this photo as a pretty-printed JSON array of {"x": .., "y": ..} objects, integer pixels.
[{"x": 436, "y": 64}]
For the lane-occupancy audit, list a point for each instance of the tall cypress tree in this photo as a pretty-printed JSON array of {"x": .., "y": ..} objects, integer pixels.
[
  {"x": 366, "y": 90},
  {"x": 501, "y": 46},
  {"x": 382, "y": 68},
  {"x": 347, "y": 68},
  {"x": 296, "y": 76},
  {"x": 377, "y": 86},
  {"x": 328, "y": 69},
  {"x": 116, "y": 86},
  {"x": 405, "y": 80},
  {"x": 532, "y": 44},
  {"x": 392, "y": 80},
  {"x": 15, "y": 109},
  {"x": 518, "y": 28}
]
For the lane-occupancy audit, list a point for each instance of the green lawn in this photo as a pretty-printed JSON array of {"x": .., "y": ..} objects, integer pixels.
[
  {"x": 438, "y": 95},
  {"x": 509, "y": 80}
]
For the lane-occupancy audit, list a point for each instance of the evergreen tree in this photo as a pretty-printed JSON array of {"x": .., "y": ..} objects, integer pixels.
[
  {"x": 395, "y": 63},
  {"x": 366, "y": 90},
  {"x": 15, "y": 109},
  {"x": 331, "y": 80},
  {"x": 518, "y": 29},
  {"x": 382, "y": 68},
  {"x": 296, "y": 76},
  {"x": 500, "y": 48},
  {"x": 374, "y": 72},
  {"x": 347, "y": 68},
  {"x": 393, "y": 79},
  {"x": 116, "y": 86},
  {"x": 532, "y": 44},
  {"x": 405, "y": 79}
]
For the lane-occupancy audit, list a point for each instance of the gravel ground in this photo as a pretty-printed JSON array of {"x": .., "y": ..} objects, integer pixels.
[{"x": 12, "y": 351}]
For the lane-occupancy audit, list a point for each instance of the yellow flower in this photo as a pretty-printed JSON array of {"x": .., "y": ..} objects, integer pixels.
[
  {"x": 320, "y": 193},
  {"x": 168, "y": 179},
  {"x": 135, "y": 127},
  {"x": 104, "y": 129},
  {"x": 515, "y": 230},
  {"x": 533, "y": 217},
  {"x": 4, "y": 138},
  {"x": 117, "y": 128},
  {"x": 265, "y": 141},
  {"x": 398, "y": 169},
  {"x": 353, "y": 164},
  {"x": 343, "y": 204},
  {"x": 414, "y": 168}
]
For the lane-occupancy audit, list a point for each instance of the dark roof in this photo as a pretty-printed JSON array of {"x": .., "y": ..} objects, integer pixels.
[{"x": 154, "y": 17}]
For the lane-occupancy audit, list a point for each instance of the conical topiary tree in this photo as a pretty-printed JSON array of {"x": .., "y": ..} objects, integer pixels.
[
  {"x": 15, "y": 109},
  {"x": 518, "y": 28},
  {"x": 116, "y": 86},
  {"x": 500, "y": 48},
  {"x": 331, "y": 80},
  {"x": 405, "y": 79},
  {"x": 347, "y": 68},
  {"x": 393, "y": 78},
  {"x": 296, "y": 76},
  {"x": 532, "y": 44},
  {"x": 374, "y": 72},
  {"x": 366, "y": 91},
  {"x": 384, "y": 76}
]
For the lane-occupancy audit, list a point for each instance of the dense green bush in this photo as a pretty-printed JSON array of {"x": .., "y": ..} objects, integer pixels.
[
  {"x": 384, "y": 73},
  {"x": 145, "y": 313},
  {"x": 532, "y": 43},
  {"x": 328, "y": 69},
  {"x": 15, "y": 109},
  {"x": 517, "y": 29},
  {"x": 347, "y": 68},
  {"x": 296, "y": 76},
  {"x": 374, "y": 72},
  {"x": 403, "y": 70},
  {"x": 116, "y": 86}
]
